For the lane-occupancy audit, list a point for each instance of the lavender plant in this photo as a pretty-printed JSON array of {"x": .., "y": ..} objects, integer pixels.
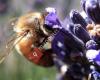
[{"x": 74, "y": 45}]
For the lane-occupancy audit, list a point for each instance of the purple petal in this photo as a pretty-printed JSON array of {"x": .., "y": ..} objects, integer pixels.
[
  {"x": 94, "y": 55},
  {"x": 51, "y": 19}
]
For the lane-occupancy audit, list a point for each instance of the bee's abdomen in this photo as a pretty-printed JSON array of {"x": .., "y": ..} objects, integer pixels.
[{"x": 34, "y": 54}]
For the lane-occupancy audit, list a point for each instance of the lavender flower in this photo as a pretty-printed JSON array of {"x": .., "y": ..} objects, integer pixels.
[
  {"x": 77, "y": 18},
  {"x": 93, "y": 56},
  {"x": 95, "y": 74},
  {"x": 83, "y": 2},
  {"x": 52, "y": 19},
  {"x": 81, "y": 33},
  {"x": 87, "y": 19},
  {"x": 92, "y": 9},
  {"x": 78, "y": 31},
  {"x": 65, "y": 42},
  {"x": 91, "y": 44}
]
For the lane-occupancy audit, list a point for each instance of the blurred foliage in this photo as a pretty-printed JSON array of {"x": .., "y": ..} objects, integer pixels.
[{"x": 16, "y": 67}]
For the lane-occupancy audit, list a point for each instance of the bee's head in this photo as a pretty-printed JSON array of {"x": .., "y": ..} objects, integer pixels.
[
  {"x": 28, "y": 22},
  {"x": 44, "y": 23}
]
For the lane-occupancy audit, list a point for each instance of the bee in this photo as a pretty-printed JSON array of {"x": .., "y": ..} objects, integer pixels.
[{"x": 32, "y": 36}]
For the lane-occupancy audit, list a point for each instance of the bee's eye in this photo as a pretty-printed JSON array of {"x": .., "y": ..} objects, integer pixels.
[{"x": 48, "y": 27}]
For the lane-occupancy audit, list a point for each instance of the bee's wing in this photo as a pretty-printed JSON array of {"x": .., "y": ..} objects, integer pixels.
[
  {"x": 7, "y": 39},
  {"x": 6, "y": 47},
  {"x": 9, "y": 45}
]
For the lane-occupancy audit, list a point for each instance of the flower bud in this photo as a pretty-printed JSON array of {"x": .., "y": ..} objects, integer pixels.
[
  {"x": 91, "y": 44},
  {"x": 92, "y": 9},
  {"x": 77, "y": 18},
  {"x": 81, "y": 33}
]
